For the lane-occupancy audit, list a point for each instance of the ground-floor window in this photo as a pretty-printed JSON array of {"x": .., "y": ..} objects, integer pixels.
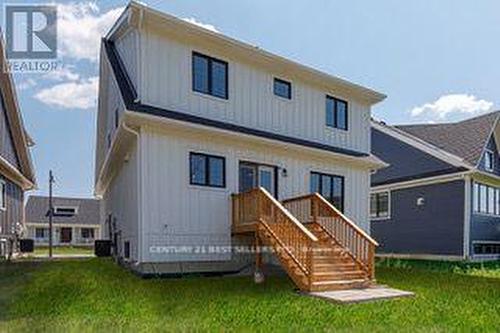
[
  {"x": 126, "y": 249},
  {"x": 207, "y": 170},
  {"x": 41, "y": 233},
  {"x": 486, "y": 199},
  {"x": 331, "y": 187},
  {"x": 486, "y": 248},
  {"x": 87, "y": 233},
  {"x": 379, "y": 205}
]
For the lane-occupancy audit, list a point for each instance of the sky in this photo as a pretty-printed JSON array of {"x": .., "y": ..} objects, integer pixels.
[{"x": 436, "y": 60}]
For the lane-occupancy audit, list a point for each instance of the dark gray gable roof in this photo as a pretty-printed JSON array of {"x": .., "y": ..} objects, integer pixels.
[
  {"x": 37, "y": 208},
  {"x": 465, "y": 139},
  {"x": 405, "y": 161}
]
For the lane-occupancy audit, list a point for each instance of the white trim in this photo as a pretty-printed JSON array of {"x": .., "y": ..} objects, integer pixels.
[
  {"x": 381, "y": 218},
  {"x": 468, "y": 197},
  {"x": 422, "y": 181},
  {"x": 421, "y": 145}
]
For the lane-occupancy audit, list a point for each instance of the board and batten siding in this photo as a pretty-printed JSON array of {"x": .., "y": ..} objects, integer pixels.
[
  {"x": 164, "y": 79},
  {"x": 14, "y": 212},
  {"x": 175, "y": 213},
  {"x": 7, "y": 149},
  {"x": 121, "y": 200},
  {"x": 109, "y": 101}
]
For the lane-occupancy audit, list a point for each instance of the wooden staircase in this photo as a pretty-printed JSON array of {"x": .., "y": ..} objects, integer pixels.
[{"x": 316, "y": 244}]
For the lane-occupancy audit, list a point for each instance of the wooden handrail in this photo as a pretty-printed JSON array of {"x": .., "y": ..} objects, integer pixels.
[
  {"x": 346, "y": 219},
  {"x": 258, "y": 207},
  {"x": 356, "y": 242}
]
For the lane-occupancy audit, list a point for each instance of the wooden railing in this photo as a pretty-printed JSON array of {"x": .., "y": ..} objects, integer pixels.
[
  {"x": 357, "y": 243},
  {"x": 259, "y": 208}
]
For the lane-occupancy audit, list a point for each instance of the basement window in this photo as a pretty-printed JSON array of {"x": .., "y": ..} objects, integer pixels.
[{"x": 486, "y": 248}]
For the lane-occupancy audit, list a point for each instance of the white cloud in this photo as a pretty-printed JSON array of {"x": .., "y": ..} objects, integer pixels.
[
  {"x": 75, "y": 95},
  {"x": 451, "y": 106},
  {"x": 207, "y": 26},
  {"x": 80, "y": 28},
  {"x": 26, "y": 84},
  {"x": 66, "y": 73}
]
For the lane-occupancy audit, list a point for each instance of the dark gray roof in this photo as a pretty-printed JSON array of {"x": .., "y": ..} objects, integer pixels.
[
  {"x": 465, "y": 139},
  {"x": 88, "y": 212}
]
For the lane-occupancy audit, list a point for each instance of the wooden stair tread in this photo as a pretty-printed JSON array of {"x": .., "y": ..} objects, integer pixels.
[{"x": 336, "y": 282}]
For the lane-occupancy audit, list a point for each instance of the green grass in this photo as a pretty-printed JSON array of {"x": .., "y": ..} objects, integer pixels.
[
  {"x": 63, "y": 250},
  {"x": 96, "y": 294}
]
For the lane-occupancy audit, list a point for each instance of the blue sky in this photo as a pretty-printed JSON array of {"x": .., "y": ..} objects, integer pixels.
[{"x": 436, "y": 60}]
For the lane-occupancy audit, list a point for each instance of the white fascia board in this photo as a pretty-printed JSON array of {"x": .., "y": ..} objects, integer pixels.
[{"x": 422, "y": 181}]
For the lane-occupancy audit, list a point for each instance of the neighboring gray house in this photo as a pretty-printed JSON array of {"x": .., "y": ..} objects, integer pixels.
[
  {"x": 16, "y": 170},
  {"x": 76, "y": 220},
  {"x": 440, "y": 197}
]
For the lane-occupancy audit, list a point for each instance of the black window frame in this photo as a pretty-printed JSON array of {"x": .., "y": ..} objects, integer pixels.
[
  {"x": 210, "y": 61},
  {"x": 337, "y": 101},
  {"x": 287, "y": 83},
  {"x": 207, "y": 170},
  {"x": 486, "y": 248},
  {"x": 378, "y": 215},
  {"x": 3, "y": 195},
  {"x": 332, "y": 176}
]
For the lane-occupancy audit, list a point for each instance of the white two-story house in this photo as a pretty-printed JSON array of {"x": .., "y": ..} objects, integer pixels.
[{"x": 189, "y": 117}]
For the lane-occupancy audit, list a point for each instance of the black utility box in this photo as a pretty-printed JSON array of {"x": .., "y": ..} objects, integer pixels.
[
  {"x": 27, "y": 245},
  {"x": 102, "y": 248}
]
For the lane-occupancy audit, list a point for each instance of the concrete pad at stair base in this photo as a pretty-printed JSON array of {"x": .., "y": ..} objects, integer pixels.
[{"x": 361, "y": 295}]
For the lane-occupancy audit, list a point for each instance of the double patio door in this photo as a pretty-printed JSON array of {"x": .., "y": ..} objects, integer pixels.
[{"x": 254, "y": 175}]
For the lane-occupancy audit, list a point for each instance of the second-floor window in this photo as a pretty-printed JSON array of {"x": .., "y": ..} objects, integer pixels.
[
  {"x": 489, "y": 160},
  {"x": 210, "y": 76},
  {"x": 336, "y": 113},
  {"x": 282, "y": 88}
]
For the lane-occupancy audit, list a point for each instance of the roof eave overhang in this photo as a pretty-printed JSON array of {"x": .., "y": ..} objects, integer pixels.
[
  {"x": 136, "y": 12},
  {"x": 13, "y": 174}
]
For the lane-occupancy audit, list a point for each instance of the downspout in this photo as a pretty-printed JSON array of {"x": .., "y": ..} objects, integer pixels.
[{"x": 139, "y": 189}]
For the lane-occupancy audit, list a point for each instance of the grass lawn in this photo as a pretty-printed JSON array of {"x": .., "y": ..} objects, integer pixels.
[
  {"x": 63, "y": 250},
  {"x": 96, "y": 294}
]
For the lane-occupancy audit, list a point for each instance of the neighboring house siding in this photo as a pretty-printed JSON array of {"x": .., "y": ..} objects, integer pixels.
[
  {"x": 491, "y": 146},
  {"x": 485, "y": 228},
  {"x": 405, "y": 161},
  {"x": 433, "y": 228},
  {"x": 14, "y": 212},
  {"x": 166, "y": 81},
  {"x": 177, "y": 213},
  {"x": 122, "y": 201},
  {"x": 7, "y": 149}
]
